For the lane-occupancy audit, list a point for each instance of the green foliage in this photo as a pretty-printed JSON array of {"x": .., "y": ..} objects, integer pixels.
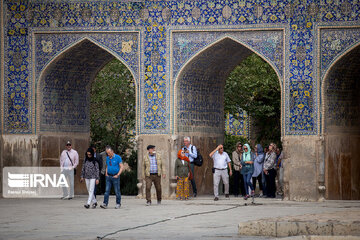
[
  {"x": 112, "y": 107},
  {"x": 230, "y": 142},
  {"x": 254, "y": 86},
  {"x": 112, "y": 119},
  {"x": 128, "y": 179}
]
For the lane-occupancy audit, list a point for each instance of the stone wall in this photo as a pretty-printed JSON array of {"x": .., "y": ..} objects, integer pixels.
[
  {"x": 303, "y": 172},
  {"x": 44, "y": 150},
  {"x": 18, "y": 150}
]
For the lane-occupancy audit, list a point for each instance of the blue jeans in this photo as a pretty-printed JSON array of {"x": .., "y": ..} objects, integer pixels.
[
  {"x": 116, "y": 183},
  {"x": 247, "y": 182}
]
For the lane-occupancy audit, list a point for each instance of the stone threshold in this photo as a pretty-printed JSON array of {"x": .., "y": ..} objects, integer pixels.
[
  {"x": 316, "y": 226},
  {"x": 321, "y": 238}
]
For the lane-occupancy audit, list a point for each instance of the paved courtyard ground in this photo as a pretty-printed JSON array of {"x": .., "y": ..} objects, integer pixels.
[{"x": 199, "y": 218}]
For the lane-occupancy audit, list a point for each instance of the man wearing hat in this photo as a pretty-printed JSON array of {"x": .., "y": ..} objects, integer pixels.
[
  {"x": 153, "y": 168},
  {"x": 69, "y": 159}
]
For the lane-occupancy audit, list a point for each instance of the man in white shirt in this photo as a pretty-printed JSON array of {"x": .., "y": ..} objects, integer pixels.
[
  {"x": 221, "y": 163},
  {"x": 69, "y": 159}
]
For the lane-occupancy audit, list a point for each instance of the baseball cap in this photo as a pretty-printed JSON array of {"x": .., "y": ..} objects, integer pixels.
[{"x": 150, "y": 147}]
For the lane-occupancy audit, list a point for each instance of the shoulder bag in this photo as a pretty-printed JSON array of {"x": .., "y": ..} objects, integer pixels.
[{"x": 71, "y": 162}]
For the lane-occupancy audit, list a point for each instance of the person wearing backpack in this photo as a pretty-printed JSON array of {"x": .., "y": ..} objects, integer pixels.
[{"x": 191, "y": 153}]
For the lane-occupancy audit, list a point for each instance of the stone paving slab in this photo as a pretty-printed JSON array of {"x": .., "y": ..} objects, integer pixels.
[
  {"x": 199, "y": 218},
  {"x": 345, "y": 222},
  {"x": 322, "y": 238}
]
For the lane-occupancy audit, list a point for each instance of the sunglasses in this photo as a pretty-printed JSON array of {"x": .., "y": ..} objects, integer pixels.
[
  {"x": 246, "y": 148},
  {"x": 68, "y": 144}
]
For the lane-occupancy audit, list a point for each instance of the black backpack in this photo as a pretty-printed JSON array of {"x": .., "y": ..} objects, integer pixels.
[{"x": 198, "y": 161}]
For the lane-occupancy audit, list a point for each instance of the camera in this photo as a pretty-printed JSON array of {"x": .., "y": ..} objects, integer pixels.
[{"x": 185, "y": 149}]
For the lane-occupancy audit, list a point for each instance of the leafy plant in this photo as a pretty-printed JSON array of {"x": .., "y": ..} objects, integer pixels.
[
  {"x": 112, "y": 107},
  {"x": 112, "y": 118},
  {"x": 254, "y": 87}
]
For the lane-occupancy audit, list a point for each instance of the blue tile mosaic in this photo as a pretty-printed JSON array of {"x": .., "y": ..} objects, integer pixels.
[
  {"x": 300, "y": 22},
  {"x": 238, "y": 124}
]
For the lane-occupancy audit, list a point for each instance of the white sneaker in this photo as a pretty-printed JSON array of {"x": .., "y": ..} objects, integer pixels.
[{"x": 117, "y": 206}]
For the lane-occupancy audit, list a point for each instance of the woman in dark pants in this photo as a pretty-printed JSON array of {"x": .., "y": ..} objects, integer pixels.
[
  {"x": 270, "y": 171},
  {"x": 236, "y": 158}
]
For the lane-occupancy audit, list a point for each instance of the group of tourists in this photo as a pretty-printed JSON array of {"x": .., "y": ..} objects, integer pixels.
[
  {"x": 106, "y": 167},
  {"x": 256, "y": 166},
  {"x": 95, "y": 165},
  {"x": 249, "y": 167}
]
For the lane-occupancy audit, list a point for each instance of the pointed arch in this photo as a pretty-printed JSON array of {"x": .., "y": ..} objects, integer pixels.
[
  {"x": 74, "y": 44},
  {"x": 323, "y": 101},
  {"x": 175, "y": 79},
  {"x": 107, "y": 54},
  {"x": 340, "y": 106},
  {"x": 204, "y": 49}
]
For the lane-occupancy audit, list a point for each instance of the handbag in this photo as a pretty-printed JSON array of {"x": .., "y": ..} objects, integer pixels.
[
  {"x": 239, "y": 165},
  {"x": 71, "y": 162}
]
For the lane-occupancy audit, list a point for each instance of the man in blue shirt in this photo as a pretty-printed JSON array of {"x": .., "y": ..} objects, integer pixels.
[{"x": 114, "y": 167}]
